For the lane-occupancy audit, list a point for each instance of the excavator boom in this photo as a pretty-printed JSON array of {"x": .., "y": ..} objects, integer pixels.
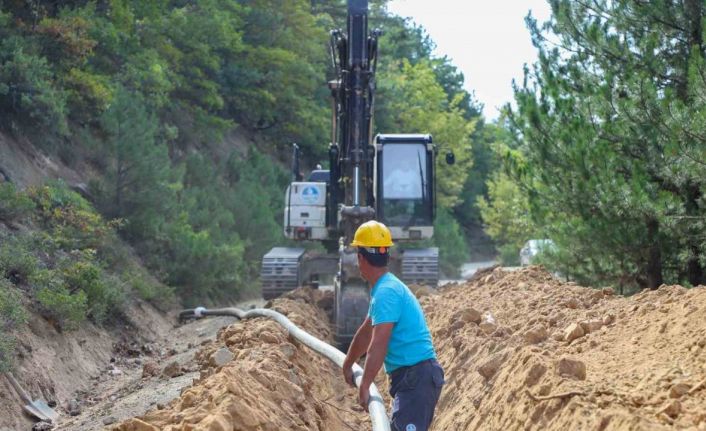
[{"x": 330, "y": 207}]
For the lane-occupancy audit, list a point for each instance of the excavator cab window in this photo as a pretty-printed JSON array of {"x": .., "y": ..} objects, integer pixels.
[{"x": 404, "y": 186}]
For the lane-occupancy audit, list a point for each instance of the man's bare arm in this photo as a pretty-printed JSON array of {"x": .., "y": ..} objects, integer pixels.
[
  {"x": 358, "y": 347},
  {"x": 376, "y": 352}
]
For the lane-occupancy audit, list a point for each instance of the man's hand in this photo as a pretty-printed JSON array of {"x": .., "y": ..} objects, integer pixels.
[
  {"x": 348, "y": 374},
  {"x": 358, "y": 346},
  {"x": 364, "y": 396}
]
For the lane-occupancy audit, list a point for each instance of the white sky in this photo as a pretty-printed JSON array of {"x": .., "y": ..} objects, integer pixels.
[{"x": 486, "y": 39}]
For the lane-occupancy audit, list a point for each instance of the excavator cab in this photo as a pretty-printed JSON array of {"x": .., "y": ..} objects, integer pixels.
[
  {"x": 405, "y": 200},
  {"x": 405, "y": 185}
]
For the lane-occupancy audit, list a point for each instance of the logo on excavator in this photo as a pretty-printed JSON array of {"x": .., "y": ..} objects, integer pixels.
[{"x": 310, "y": 195}]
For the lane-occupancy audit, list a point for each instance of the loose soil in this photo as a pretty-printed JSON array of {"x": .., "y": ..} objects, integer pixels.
[
  {"x": 59, "y": 367},
  {"x": 564, "y": 357},
  {"x": 522, "y": 350},
  {"x": 272, "y": 382}
]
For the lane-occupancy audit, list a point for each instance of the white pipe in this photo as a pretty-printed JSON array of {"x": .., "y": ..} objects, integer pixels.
[
  {"x": 356, "y": 186},
  {"x": 376, "y": 407}
]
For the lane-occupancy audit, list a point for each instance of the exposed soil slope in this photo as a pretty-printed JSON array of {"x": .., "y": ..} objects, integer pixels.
[
  {"x": 564, "y": 357},
  {"x": 65, "y": 366},
  {"x": 271, "y": 383},
  {"x": 553, "y": 356}
]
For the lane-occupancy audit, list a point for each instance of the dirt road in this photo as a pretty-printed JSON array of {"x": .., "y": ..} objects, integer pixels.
[{"x": 122, "y": 392}]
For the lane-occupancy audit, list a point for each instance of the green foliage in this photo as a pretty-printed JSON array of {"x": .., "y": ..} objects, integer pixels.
[
  {"x": 610, "y": 125},
  {"x": 88, "y": 93},
  {"x": 14, "y": 205},
  {"x": 147, "y": 288},
  {"x": 485, "y": 163},
  {"x": 416, "y": 103},
  {"x": 453, "y": 250},
  {"x": 509, "y": 254},
  {"x": 69, "y": 281},
  {"x": 57, "y": 302},
  {"x": 73, "y": 223},
  {"x": 12, "y": 316},
  {"x": 28, "y": 92},
  {"x": 506, "y": 215},
  {"x": 137, "y": 184},
  {"x": 151, "y": 89},
  {"x": 276, "y": 84},
  {"x": 232, "y": 218},
  {"x": 196, "y": 266},
  {"x": 17, "y": 262},
  {"x": 104, "y": 294},
  {"x": 257, "y": 197}
]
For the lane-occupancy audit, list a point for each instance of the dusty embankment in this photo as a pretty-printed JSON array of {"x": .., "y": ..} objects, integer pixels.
[
  {"x": 563, "y": 357},
  {"x": 253, "y": 377},
  {"x": 66, "y": 368},
  {"x": 556, "y": 357}
]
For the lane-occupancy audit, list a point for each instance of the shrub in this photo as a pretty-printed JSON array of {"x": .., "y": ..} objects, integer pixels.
[
  {"x": 74, "y": 223},
  {"x": 67, "y": 309},
  {"x": 14, "y": 205},
  {"x": 453, "y": 250},
  {"x": 17, "y": 263},
  {"x": 12, "y": 315},
  {"x": 148, "y": 288},
  {"x": 104, "y": 294},
  {"x": 509, "y": 255}
]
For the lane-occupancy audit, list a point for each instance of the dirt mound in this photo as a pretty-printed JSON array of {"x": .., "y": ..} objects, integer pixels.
[
  {"x": 523, "y": 350},
  {"x": 254, "y": 377}
]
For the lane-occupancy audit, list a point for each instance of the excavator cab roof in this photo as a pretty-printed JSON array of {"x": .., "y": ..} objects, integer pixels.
[
  {"x": 320, "y": 176},
  {"x": 403, "y": 137}
]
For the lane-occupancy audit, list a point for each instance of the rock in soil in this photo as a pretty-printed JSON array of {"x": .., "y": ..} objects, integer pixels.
[
  {"x": 172, "y": 370},
  {"x": 536, "y": 335},
  {"x": 572, "y": 368},
  {"x": 678, "y": 390},
  {"x": 42, "y": 426},
  {"x": 491, "y": 366},
  {"x": 74, "y": 408},
  {"x": 573, "y": 332},
  {"x": 150, "y": 369},
  {"x": 221, "y": 357}
]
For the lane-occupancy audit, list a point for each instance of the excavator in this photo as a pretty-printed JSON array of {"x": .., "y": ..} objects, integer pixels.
[{"x": 389, "y": 178}]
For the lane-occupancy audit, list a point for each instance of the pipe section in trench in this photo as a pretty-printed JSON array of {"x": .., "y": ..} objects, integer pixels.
[{"x": 376, "y": 406}]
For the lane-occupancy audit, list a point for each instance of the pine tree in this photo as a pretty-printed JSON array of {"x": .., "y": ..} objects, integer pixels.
[
  {"x": 610, "y": 119},
  {"x": 138, "y": 180}
]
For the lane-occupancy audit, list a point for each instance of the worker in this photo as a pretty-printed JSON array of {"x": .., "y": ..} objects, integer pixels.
[
  {"x": 404, "y": 181},
  {"x": 394, "y": 332}
]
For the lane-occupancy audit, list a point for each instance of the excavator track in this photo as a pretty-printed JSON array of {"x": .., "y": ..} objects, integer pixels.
[
  {"x": 421, "y": 266},
  {"x": 280, "y": 271}
]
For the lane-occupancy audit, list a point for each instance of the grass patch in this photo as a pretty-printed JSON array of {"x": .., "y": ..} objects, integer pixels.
[
  {"x": 14, "y": 205},
  {"x": 17, "y": 262},
  {"x": 12, "y": 316}
]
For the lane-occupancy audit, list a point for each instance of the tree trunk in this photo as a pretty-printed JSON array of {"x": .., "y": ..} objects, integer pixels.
[
  {"x": 693, "y": 10},
  {"x": 654, "y": 262},
  {"x": 694, "y": 269}
]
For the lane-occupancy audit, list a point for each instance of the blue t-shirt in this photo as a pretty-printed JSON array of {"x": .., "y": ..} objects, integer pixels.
[{"x": 410, "y": 342}]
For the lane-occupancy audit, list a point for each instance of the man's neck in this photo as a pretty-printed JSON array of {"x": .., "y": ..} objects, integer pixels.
[{"x": 375, "y": 276}]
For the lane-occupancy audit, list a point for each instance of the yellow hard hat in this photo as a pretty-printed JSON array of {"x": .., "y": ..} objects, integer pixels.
[{"x": 372, "y": 234}]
